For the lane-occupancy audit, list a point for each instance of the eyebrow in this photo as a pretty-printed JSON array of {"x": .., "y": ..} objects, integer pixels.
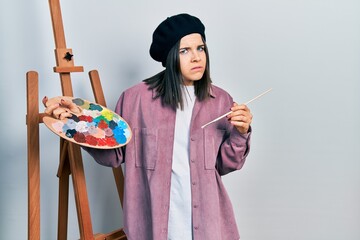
[{"x": 201, "y": 45}]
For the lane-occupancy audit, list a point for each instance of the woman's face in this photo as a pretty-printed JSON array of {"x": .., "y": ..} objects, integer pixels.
[{"x": 192, "y": 58}]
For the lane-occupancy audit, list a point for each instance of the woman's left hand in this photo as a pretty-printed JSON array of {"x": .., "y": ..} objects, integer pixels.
[{"x": 240, "y": 117}]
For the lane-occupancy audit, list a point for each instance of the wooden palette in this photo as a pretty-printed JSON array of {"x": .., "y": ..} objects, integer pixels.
[{"x": 95, "y": 126}]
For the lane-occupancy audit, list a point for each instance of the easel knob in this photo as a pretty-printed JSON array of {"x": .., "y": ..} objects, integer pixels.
[{"x": 65, "y": 61}]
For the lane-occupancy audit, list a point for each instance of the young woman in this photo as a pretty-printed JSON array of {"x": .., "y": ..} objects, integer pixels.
[{"x": 173, "y": 167}]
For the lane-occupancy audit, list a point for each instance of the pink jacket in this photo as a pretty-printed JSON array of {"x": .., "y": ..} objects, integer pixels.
[{"x": 214, "y": 151}]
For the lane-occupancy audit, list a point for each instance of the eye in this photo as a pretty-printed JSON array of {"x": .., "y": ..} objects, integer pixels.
[
  {"x": 201, "y": 48},
  {"x": 183, "y": 51}
]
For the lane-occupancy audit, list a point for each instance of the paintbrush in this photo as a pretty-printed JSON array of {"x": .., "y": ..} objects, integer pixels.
[{"x": 216, "y": 119}]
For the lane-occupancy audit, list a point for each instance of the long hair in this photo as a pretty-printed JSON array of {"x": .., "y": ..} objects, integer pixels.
[{"x": 168, "y": 83}]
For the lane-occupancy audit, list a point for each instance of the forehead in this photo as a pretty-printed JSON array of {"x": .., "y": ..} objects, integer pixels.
[{"x": 191, "y": 39}]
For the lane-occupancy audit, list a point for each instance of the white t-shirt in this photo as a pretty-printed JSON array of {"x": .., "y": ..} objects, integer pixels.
[{"x": 180, "y": 220}]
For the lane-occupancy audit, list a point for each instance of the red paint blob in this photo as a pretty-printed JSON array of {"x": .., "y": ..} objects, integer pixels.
[
  {"x": 102, "y": 124},
  {"x": 79, "y": 137},
  {"x": 110, "y": 141},
  {"x": 85, "y": 118},
  {"x": 102, "y": 142},
  {"x": 91, "y": 140}
]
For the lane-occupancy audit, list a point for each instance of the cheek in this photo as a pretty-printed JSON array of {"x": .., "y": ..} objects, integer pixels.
[
  {"x": 183, "y": 65},
  {"x": 204, "y": 58}
]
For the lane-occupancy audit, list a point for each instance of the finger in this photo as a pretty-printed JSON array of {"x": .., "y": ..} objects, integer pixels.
[
  {"x": 239, "y": 119},
  {"x": 242, "y": 116},
  {"x": 239, "y": 113},
  {"x": 74, "y": 108},
  {"x": 49, "y": 110},
  {"x": 44, "y": 100},
  {"x": 236, "y": 107},
  {"x": 240, "y": 122},
  {"x": 58, "y": 111},
  {"x": 241, "y": 126},
  {"x": 70, "y": 105},
  {"x": 65, "y": 115}
]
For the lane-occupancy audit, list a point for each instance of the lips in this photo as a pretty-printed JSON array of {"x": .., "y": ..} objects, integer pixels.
[{"x": 197, "y": 68}]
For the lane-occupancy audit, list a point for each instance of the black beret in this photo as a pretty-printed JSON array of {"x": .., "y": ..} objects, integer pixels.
[{"x": 170, "y": 31}]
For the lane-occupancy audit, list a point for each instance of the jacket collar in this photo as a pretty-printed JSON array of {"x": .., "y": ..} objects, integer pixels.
[{"x": 211, "y": 92}]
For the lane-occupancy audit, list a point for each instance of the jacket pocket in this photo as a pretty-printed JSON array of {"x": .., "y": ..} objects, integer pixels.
[
  {"x": 145, "y": 148},
  {"x": 212, "y": 142}
]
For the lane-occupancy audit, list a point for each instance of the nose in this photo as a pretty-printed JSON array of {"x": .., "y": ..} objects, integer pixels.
[{"x": 195, "y": 57}]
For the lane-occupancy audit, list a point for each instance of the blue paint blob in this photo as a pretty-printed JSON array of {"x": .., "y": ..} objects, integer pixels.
[
  {"x": 70, "y": 133},
  {"x": 75, "y": 118},
  {"x": 118, "y": 131},
  {"x": 112, "y": 124},
  {"x": 122, "y": 124},
  {"x": 95, "y": 107},
  {"x": 121, "y": 139},
  {"x": 78, "y": 101}
]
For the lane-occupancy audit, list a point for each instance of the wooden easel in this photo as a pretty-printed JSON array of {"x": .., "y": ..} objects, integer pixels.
[{"x": 70, "y": 154}]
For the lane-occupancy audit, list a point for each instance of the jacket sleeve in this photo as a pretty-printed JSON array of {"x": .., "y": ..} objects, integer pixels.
[
  {"x": 234, "y": 148},
  {"x": 109, "y": 157},
  {"x": 233, "y": 151}
]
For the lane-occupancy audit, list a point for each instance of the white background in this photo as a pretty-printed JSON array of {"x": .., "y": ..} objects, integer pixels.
[{"x": 302, "y": 177}]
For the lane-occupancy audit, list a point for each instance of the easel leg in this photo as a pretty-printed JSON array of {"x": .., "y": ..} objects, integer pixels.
[
  {"x": 63, "y": 174},
  {"x": 81, "y": 199},
  {"x": 32, "y": 121}
]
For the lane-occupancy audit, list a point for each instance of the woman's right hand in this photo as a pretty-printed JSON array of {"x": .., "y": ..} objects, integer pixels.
[{"x": 60, "y": 110}]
